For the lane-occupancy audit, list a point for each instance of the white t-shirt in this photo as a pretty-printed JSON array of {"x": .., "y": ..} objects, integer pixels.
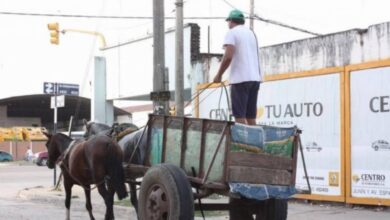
[{"x": 245, "y": 63}]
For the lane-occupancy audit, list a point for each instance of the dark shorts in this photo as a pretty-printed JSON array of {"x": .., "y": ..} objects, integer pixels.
[{"x": 244, "y": 99}]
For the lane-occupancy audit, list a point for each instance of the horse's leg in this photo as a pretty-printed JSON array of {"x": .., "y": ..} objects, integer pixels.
[
  {"x": 88, "y": 205},
  {"x": 111, "y": 193},
  {"x": 68, "y": 195},
  {"x": 107, "y": 200},
  {"x": 133, "y": 196}
]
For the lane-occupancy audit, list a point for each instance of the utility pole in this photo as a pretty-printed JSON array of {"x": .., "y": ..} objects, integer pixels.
[
  {"x": 55, "y": 128},
  {"x": 159, "y": 106},
  {"x": 102, "y": 110},
  {"x": 252, "y": 14},
  {"x": 179, "y": 90}
]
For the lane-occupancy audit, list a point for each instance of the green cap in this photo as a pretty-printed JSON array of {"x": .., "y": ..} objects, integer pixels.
[{"x": 235, "y": 14}]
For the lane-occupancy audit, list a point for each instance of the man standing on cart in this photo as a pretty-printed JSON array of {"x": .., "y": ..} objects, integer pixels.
[{"x": 241, "y": 54}]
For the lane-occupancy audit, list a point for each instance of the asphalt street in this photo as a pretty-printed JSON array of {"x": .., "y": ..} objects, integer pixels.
[{"x": 26, "y": 194}]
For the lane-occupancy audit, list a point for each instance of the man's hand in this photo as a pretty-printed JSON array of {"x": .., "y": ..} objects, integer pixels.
[
  {"x": 217, "y": 78},
  {"x": 225, "y": 63}
]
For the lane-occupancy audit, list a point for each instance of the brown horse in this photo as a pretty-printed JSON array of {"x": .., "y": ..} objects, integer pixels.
[
  {"x": 95, "y": 161},
  {"x": 127, "y": 142}
]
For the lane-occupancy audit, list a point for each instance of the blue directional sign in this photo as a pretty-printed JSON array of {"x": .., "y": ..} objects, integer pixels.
[
  {"x": 60, "y": 88},
  {"x": 48, "y": 88}
]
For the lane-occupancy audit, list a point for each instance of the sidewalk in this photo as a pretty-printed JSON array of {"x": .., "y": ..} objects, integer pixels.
[
  {"x": 298, "y": 210},
  {"x": 57, "y": 197},
  {"x": 48, "y": 195}
]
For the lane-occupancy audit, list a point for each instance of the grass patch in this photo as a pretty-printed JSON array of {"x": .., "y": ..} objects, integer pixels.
[
  {"x": 126, "y": 203},
  {"x": 123, "y": 202},
  {"x": 211, "y": 213}
]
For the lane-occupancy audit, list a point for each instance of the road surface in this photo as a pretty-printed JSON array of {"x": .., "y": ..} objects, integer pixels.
[{"x": 18, "y": 203}]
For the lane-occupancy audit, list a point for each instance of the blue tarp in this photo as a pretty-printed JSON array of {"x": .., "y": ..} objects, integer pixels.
[
  {"x": 262, "y": 139},
  {"x": 251, "y": 138},
  {"x": 248, "y": 135},
  {"x": 261, "y": 191}
]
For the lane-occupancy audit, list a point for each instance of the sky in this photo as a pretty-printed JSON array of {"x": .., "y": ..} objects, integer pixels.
[{"x": 27, "y": 59}]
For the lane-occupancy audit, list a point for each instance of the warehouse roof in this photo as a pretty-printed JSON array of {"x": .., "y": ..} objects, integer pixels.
[{"x": 39, "y": 106}]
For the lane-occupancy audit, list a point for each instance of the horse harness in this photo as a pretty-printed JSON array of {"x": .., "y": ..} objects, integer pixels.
[{"x": 60, "y": 162}]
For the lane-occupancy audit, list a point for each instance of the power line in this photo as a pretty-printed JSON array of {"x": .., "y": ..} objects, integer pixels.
[
  {"x": 99, "y": 16},
  {"x": 149, "y": 17},
  {"x": 230, "y": 4},
  {"x": 285, "y": 25},
  {"x": 275, "y": 22}
]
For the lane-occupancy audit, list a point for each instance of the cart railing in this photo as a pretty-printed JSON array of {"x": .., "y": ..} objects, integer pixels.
[{"x": 203, "y": 149}]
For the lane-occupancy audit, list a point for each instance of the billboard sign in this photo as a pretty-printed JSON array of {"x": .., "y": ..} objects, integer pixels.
[
  {"x": 370, "y": 136},
  {"x": 312, "y": 104}
]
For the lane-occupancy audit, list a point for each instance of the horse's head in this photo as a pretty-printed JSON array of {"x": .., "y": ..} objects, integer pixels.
[
  {"x": 56, "y": 144},
  {"x": 94, "y": 128}
]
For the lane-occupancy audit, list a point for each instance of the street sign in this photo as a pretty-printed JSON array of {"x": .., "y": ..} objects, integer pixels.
[
  {"x": 160, "y": 96},
  {"x": 61, "y": 88},
  {"x": 60, "y": 101},
  {"x": 48, "y": 88}
]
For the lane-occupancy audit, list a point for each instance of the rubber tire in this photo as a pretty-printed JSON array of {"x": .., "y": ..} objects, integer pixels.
[
  {"x": 177, "y": 187},
  {"x": 271, "y": 209},
  {"x": 240, "y": 209},
  {"x": 276, "y": 209}
]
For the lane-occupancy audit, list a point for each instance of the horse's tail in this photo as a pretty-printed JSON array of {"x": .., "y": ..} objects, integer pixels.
[{"x": 116, "y": 172}]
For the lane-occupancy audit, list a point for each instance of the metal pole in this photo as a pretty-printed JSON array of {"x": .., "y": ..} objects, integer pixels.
[
  {"x": 102, "y": 110},
  {"x": 70, "y": 126},
  {"x": 55, "y": 125},
  {"x": 166, "y": 79},
  {"x": 179, "y": 85},
  {"x": 159, "y": 107},
  {"x": 207, "y": 73},
  {"x": 252, "y": 14}
]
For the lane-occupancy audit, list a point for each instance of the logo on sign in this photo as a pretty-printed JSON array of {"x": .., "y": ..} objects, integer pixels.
[
  {"x": 260, "y": 112},
  {"x": 355, "y": 178},
  {"x": 371, "y": 179},
  {"x": 334, "y": 179}
]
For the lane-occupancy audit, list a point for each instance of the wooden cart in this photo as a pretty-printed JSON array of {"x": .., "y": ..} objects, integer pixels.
[{"x": 188, "y": 159}]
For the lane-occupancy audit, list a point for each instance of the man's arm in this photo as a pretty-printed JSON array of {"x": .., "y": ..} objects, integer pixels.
[{"x": 226, "y": 60}]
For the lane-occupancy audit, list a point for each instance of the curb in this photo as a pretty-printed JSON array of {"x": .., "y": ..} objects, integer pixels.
[{"x": 48, "y": 195}]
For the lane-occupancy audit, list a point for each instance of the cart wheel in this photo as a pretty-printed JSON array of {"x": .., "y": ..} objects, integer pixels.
[
  {"x": 275, "y": 209},
  {"x": 271, "y": 209},
  {"x": 166, "y": 194},
  {"x": 240, "y": 209}
]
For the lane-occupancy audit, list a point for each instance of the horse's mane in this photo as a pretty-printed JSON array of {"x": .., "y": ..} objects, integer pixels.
[
  {"x": 64, "y": 137},
  {"x": 99, "y": 125}
]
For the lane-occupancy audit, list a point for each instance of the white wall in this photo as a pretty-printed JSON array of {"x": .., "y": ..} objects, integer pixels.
[{"x": 339, "y": 49}]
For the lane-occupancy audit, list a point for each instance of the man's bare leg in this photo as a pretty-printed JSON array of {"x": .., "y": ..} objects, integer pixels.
[
  {"x": 241, "y": 120},
  {"x": 251, "y": 121}
]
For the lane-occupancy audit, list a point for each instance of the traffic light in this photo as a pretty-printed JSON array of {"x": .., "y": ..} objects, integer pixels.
[
  {"x": 54, "y": 33},
  {"x": 172, "y": 110}
]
